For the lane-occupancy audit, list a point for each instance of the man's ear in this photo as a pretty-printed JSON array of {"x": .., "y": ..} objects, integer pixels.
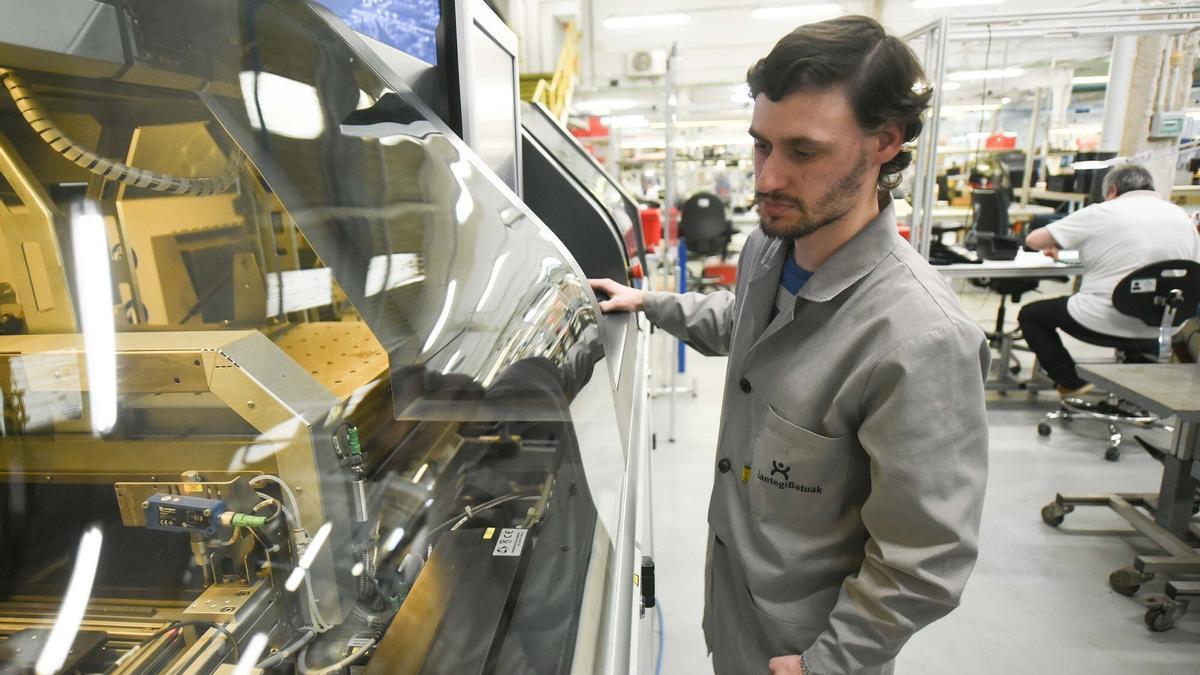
[{"x": 890, "y": 137}]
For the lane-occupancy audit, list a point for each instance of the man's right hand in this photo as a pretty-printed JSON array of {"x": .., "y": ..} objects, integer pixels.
[{"x": 621, "y": 298}]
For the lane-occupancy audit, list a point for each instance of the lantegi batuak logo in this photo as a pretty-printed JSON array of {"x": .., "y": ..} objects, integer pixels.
[{"x": 784, "y": 482}]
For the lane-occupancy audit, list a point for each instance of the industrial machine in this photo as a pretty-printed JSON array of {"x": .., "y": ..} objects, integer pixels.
[{"x": 291, "y": 379}]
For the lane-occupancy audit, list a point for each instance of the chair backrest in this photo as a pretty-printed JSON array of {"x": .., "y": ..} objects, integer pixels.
[
  {"x": 1162, "y": 294},
  {"x": 702, "y": 223},
  {"x": 993, "y": 233},
  {"x": 990, "y": 211}
]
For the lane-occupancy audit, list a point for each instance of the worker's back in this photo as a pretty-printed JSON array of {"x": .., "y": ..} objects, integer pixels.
[{"x": 1115, "y": 238}]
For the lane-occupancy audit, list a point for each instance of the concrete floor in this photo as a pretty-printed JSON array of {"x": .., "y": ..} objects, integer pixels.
[{"x": 1039, "y": 600}]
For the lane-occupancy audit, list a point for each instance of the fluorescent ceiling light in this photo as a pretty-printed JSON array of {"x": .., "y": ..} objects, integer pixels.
[
  {"x": 794, "y": 11},
  {"x": 951, "y": 86},
  {"x": 75, "y": 601},
  {"x": 282, "y": 105},
  {"x": 653, "y": 143},
  {"x": 1090, "y": 79},
  {"x": 698, "y": 124},
  {"x": 628, "y": 122},
  {"x": 727, "y": 140},
  {"x": 996, "y": 73},
  {"x": 1079, "y": 129},
  {"x": 938, "y": 4},
  {"x": 604, "y": 105},
  {"x": 250, "y": 654},
  {"x": 645, "y": 21},
  {"x": 390, "y": 271},
  {"x": 93, "y": 279},
  {"x": 988, "y": 107}
]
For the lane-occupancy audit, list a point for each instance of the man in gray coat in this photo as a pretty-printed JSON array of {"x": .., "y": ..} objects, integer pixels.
[{"x": 852, "y": 455}]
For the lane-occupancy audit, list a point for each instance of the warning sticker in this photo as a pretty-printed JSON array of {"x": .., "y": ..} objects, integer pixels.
[{"x": 510, "y": 542}]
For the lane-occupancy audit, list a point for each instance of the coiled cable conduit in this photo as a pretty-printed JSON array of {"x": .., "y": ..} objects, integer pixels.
[{"x": 110, "y": 169}]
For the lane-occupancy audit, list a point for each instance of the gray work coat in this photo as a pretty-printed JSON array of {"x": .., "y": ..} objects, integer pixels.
[{"x": 852, "y": 455}]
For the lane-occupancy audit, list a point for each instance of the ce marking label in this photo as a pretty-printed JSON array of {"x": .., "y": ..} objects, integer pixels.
[{"x": 511, "y": 542}]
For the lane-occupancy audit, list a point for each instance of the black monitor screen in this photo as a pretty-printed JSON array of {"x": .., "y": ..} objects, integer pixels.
[{"x": 407, "y": 25}]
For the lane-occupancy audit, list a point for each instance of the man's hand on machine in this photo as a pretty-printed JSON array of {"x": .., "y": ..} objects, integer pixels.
[{"x": 621, "y": 298}]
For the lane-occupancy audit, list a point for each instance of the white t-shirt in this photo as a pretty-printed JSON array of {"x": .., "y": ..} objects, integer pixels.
[{"x": 1115, "y": 238}]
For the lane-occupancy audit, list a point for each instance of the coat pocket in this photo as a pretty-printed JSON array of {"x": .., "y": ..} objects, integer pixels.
[{"x": 798, "y": 476}]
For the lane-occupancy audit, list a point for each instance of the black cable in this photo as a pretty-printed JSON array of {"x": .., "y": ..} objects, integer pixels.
[
  {"x": 210, "y": 624},
  {"x": 176, "y": 625},
  {"x": 286, "y": 652},
  {"x": 987, "y": 61}
]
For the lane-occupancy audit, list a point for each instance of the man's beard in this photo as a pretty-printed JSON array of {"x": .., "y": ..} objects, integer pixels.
[{"x": 833, "y": 205}]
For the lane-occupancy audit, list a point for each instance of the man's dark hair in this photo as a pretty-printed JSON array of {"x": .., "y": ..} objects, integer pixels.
[
  {"x": 1127, "y": 178},
  {"x": 881, "y": 75}
]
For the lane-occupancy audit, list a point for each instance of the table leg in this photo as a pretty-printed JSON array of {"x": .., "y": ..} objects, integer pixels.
[{"x": 1176, "y": 495}]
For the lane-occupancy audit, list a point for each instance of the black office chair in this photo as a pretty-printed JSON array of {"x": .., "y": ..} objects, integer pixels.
[
  {"x": 992, "y": 229},
  {"x": 706, "y": 230},
  {"x": 1163, "y": 295},
  {"x": 994, "y": 241}
]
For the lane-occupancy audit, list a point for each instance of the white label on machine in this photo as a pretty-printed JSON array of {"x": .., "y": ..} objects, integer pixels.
[
  {"x": 510, "y": 542},
  {"x": 1143, "y": 285},
  {"x": 359, "y": 643}
]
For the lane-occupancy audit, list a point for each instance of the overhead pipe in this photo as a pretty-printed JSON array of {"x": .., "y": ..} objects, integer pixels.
[
  {"x": 1073, "y": 16},
  {"x": 1079, "y": 30}
]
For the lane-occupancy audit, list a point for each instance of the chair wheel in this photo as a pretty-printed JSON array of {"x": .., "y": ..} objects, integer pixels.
[
  {"x": 1112, "y": 453},
  {"x": 1162, "y": 617},
  {"x": 1128, "y": 580},
  {"x": 1053, "y": 513},
  {"x": 1044, "y": 428}
]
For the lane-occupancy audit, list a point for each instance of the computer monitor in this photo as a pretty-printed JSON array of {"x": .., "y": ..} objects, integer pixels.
[
  {"x": 461, "y": 59},
  {"x": 485, "y": 104},
  {"x": 1090, "y": 181},
  {"x": 408, "y": 25}
]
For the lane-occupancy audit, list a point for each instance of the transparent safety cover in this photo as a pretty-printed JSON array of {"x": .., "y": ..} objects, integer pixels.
[{"x": 289, "y": 379}]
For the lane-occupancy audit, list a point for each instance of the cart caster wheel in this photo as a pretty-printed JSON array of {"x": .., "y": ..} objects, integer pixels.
[
  {"x": 1053, "y": 513},
  {"x": 1162, "y": 617},
  {"x": 1113, "y": 453},
  {"x": 1128, "y": 580},
  {"x": 1044, "y": 428}
]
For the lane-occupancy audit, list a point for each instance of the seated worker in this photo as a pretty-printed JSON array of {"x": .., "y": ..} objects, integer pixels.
[{"x": 1131, "y": 228}]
